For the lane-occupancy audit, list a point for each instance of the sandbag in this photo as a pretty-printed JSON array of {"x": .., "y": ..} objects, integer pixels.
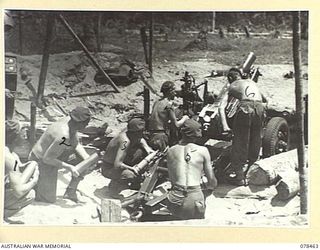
[
  {"x": 268, "y": 171},
  {"x": 288, "y": 187}
]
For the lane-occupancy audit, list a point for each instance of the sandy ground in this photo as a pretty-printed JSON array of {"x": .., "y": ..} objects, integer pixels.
[
  {"x": 71, "y": 74},
  {"x": 228, "y": 206}
]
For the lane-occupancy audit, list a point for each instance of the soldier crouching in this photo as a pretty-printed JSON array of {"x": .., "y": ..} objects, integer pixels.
[{"x": 122, "y": 153}]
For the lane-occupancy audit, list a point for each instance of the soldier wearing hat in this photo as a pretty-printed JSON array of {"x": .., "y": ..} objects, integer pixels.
[
  {"x": 186, "y": 163},
  {"x": 20, "y": 178},
  {"x": 163, "y": 113},
  {"x": 122, "y": 153},
  {"x": 51, "y": 151},
  {"x": 247, "y": 124}
]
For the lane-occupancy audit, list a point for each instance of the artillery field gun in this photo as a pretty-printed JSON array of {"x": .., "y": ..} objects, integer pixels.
[{"x": 277, "y": 125}]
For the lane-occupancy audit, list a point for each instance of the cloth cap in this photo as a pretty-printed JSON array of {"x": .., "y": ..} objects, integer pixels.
[
  {"x": 80, "y": 114},
  {"x": 166, "y": 86},
  {"x": 234, "y": 71},
  {"x": 191, "y": 128},
  {"x": 12, "y": 128},
  {"x": 136, "y": 125}
]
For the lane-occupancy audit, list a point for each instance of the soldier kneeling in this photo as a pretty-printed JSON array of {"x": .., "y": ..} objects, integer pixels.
[{"x": 122, "y": 153}]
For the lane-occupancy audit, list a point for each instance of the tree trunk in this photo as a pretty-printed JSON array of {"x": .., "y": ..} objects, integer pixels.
[
  {"x": 98, "y": 34},
  {"x": 20, "y": 35},
  {"x": 213, "y": 27},
  {"x": 299, "y": 109},
  {"x": 150, "y": 42}
]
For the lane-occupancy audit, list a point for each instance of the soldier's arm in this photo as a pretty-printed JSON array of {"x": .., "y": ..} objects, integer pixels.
[
  {"x": 51, "y": 157},
  {"x": 174, "y": 120},
  {"x": 222, "y": 112},
  {"x": 122, "y": 153},
  {"x": 145, "y": 146},
  {"x": 212, "y": 181},
  {"x": 81, "y": 151},
  {"x": 21, "y": 183}
]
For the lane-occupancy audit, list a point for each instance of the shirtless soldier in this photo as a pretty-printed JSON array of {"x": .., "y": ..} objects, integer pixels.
[
  {"x": 186, "y": 163},
  {"x": 122, "y": 153},
  {"x": 51, "y": 151},
  {"x": 247, "y": 124},
  {"x": 163, "y": 113},
  {"x": 20, "y": 178}
]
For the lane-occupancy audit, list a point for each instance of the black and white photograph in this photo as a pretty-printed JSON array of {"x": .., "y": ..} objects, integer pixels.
[{"x": 156, "y": 118}]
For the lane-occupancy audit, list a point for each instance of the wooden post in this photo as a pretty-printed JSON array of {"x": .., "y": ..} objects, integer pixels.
[
  {"x": 98, "y": 34},
  {"x": 246, "y": 30},
  {"x": 213, "y": 27},
  {"x": 146, "y": 91},
  {"x": 110, "y": 210},
  {"x": 45, "y": 59},
  {"x": 146, "y": 106},
  {"x": 144, "y": 43},
  {"x": 299, "y": 109},
  {"x": 150, "y": 42},
  {"x": 33, "y": 116},
  {"x": 86, "y": 51},
  {"x": 20, "y": 35}
]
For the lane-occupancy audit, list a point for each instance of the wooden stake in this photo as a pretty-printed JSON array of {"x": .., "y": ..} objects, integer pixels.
[
  {"x": 32, "y": 132},
  {"x": 110, "y": 210},
  {"x": 146, "y": 104},
  {"x": 299, "y": 109},
  {"x": 150, "y": 42},
  {"x": 144, "y": 43},
  {"x": 45, "y": 59},
  {"x": 98, "y": 34},
  {"x": 20, "y": 34},
  {"x": 213, "y": 27}
]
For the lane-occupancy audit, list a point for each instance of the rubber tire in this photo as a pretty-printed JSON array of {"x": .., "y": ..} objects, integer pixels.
[{"x": 270, "y": 138}]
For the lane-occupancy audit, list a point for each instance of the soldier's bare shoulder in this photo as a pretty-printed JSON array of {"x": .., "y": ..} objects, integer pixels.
[{"x": 59, "y": 128}]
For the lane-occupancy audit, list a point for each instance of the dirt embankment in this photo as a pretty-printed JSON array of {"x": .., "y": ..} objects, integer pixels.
[{"x": 70, "y": 80}]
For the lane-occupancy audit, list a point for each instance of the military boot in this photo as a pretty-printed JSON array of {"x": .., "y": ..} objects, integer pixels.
[{"x": 71, "y": 192}]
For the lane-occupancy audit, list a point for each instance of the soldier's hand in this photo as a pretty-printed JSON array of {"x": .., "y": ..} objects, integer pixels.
[
  {"x": 75, "y": 172},
  {"x": 185, "y": 117},
  {"x": 134, "y": 169},
  {"x": 150, "y": 151}
]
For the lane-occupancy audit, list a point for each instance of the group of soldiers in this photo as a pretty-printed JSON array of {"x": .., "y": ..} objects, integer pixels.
[{"x": 187, "y": 162}]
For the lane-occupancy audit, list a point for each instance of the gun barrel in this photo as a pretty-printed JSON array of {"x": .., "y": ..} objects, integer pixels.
[{"x": 248, "y": 63}]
